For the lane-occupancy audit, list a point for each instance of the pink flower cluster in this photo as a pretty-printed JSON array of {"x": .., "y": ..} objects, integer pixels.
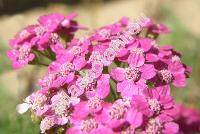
[{"x": 115, "y": 80}]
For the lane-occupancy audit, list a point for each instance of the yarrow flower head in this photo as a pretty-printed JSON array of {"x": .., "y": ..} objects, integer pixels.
[{"x": 114, "y": 80}]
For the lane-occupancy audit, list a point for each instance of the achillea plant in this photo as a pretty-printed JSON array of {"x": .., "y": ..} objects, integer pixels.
[{"x": 115, "y": 80}]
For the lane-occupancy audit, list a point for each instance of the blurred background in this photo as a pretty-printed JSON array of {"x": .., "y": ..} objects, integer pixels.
[{"x": 182, "y": 16}]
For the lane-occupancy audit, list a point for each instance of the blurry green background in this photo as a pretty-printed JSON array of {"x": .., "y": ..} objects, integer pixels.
[{"x": 182, "y": 16}]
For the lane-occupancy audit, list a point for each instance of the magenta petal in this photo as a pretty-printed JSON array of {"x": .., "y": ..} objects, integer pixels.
[
  {"x": 166, "y": 101},
  {"x": 122, "y": 52},
  {"x": 176, "y": 67},
  {"x": 12, "y": 54},
  {"x": 146, "y": 44},
  {"x": 103, "y": 86},
  {"x": 69, "y": 77},
  {"x": 17, "y": 65},
  {"x": 127, "y": 89},
  {"x": 152, "y": 57},
  {"x": 79, "y": 63},
  {"x": 163, "y": 90},
  {"x": 171, "y": 128},
  {"x": 118, "y": 74},
  {"x": 166, "y": 47},
  {"x": 141, "y": 84},
  {"x": 164, "y": 118},
  {"x": 102, "y": 129},
  {"x": 148, "y": 71},
  {"x": 81, "y": 110},
  {"x": 179, "y": 80},
  {"x": 136, "y": 60},
  {"x": 134, "y": 117},
  {"x": 31, "y": 57},
  {"x": 73, "y": 130}
]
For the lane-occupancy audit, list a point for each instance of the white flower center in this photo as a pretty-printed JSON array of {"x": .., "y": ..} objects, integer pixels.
[
  {"x": 132, "y": 74},
  {"x": 88, "y": 125},
  {"x": 66, "y": 68},
  {"x": 176, "y": 58},
  {"x": 166, "y": 76},
  {"x": 24, "y": 52},
  {"x": 61, "y": 106},
  {"x": 154, "y": 127},
  {"x": 46, "y": 124},
  {"x": 117, "y": 111},
  {"x": 154, "y": 105},
  {"x": 94, "y": 102}
]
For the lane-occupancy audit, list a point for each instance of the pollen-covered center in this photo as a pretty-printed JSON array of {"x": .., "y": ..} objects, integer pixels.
[
  {"x": 46, "y": 124},
  {"x": 165, "y": 76},
  {"x": 154, "y": 105},
  {"x": 88, "y": 125},
  {"x": 47, "y": 80},
  {"x": 94, "y": 103},
  {"x": 154, "y": 127},
  {"x": 176, "y": 58},
  {"x": 62, "y": 104},
  {"x": 54, "y": 38},
  {"x": 39, "y": 31},
  {"x": 132, "y": 74},
  {"x": 76, "y": 50},
  {"x": 38, "y": 102},
  {"x": 24, "y": 52},
  {"x": 87, "y": 83},
  {"x": 117, "y": 111},
  {"x": 66, "y": 68}
]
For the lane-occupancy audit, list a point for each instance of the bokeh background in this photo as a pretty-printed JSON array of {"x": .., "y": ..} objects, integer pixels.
[{"x": 182, "y": 16}]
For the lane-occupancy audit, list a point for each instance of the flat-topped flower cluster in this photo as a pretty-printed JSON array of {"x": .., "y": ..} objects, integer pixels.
[{"x": 115, "y": 80}]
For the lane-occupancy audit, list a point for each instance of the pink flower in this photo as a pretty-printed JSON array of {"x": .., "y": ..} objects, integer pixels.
[
  {"x": 51, "y": 21},
  {"x": 47, "y": 123},
  {"x": 116, "y": 80},
  {"x": 161, "y": 125},
  {"x": 174, "y": 73},
  {"x": 36, "y": 101},
  {"x": 137, "y": 51},
  {"x": 94, "y": 87},
  {"x": 155, "y": 102},
  {"x": 132, "y": 80},
  {"x": 21, "y": 56},
  {"x": 157, "y": 28},
  {"x": 61, "y": 103},
  {"x": 89, "y": 126},
  {"x": 117, "y": 114},
  {"x": 23, "y": 36}
]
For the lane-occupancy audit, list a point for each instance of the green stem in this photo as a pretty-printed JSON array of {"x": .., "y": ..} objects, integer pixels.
[
  {"x": 112, "y": 89},
  {"x": 45, "y": 55},
  {"x": 39, "y": 63}
]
